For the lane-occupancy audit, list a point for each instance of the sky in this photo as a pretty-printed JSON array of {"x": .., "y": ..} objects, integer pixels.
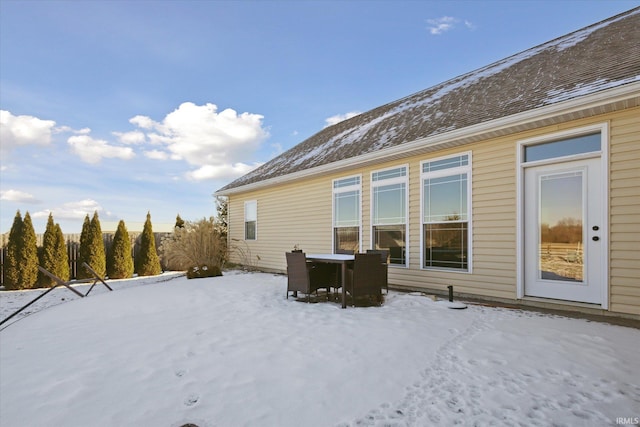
[{"x": 129, "y": 107}]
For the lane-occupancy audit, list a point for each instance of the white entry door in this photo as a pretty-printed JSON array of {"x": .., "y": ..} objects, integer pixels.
[{"x": 564, "y": 233}]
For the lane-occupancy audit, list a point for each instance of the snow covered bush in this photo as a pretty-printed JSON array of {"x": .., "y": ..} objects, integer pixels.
[{"x": 199, "y": 247}]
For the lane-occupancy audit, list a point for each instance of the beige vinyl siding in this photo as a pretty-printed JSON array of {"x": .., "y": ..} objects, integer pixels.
[
  {"x": 493, "y": 225},
  {"x": 288, "y": 215},
  {"x": 301, "y": 213},
  {"x": 624, "y": 224}
]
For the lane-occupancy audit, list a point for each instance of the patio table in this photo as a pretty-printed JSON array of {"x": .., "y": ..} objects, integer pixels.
[{"x": 342, "y": 259}]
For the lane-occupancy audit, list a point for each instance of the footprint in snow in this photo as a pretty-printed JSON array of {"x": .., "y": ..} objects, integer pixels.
[{"x": 191, "y": 400}]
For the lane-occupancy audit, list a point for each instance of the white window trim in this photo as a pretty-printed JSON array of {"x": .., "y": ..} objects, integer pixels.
[
  {"x": 333, "y": 207},
  {"x": 521, "y": 165},
  {"x": 468, "y": 169},
  {"x": 244, "y": 222},
  {"x": 390, "y": 181}
]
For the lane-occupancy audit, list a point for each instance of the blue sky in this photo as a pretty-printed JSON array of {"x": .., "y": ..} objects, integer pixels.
[{"x": 126, "y": 107}]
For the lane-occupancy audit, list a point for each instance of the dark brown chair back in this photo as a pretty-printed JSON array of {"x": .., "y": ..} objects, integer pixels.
[
  {"x": 368, "y": 276},
  {"x": 297, "y": 273},
  {"x": 384, "y": 254}
]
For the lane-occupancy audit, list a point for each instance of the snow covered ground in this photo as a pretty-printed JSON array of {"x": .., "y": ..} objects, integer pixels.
[{"x": 232, "y": 351}]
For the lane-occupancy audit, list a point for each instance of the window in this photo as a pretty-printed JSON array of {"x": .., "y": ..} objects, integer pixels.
[
  {"x": 565, "y": 147},
  {"x": 250, "y": 220},
  {"x": 445, "y": 212},
  {"x": 389, "y": 213},
  {"x": 346, "y": 214}
]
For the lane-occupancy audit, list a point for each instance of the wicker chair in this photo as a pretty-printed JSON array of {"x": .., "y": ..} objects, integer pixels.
[
  {"x": 336, "y": 270},
  {"x": 367, "y": 277},
  {"x": 384, "y": 257},
  {"x": 303, "y": 277}
]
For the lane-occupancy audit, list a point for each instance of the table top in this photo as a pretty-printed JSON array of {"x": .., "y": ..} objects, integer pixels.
[{"x": 331, "y": 257}]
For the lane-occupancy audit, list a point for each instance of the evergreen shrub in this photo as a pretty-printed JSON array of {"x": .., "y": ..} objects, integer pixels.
[
  {"x": 120, "y": 260},
  {"x": 147, "y": 262}
]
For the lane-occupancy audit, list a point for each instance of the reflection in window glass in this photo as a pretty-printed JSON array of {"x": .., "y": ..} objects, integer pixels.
[
  {"x": 347, "y": 208},
  {"x": 347, "y": 239},
  {"x": 389, "y": 204},
  {"x": 392, "y": 238},
  {"x": 445, "y": 198},
  {"x": 561, "y": 227},
  {"x": 389, "y": 212},
  {"x": 346, "y": 214},
  {"x": 448, "y": 163},
  {"x": 445, "y": 213},
  {"x": 389, "y": 174},
  {"x": 446, "y": 245},
  {"x": 566, "y": 147},
  {"x": 250, "y": 220}
]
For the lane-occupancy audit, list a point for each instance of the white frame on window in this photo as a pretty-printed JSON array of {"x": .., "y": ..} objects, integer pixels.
[
  {"x": 391, "y": 180},
  {"x": 248, "y": 211},
  {"x": 440, "y": 173},
  {"x": 355, "y": 186}
]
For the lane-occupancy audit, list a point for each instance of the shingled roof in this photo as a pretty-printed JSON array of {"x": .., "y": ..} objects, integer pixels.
[{"x": 602, "y": 56}]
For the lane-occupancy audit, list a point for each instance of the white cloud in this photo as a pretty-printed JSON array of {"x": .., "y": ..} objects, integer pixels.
[
  {"x": 220, "y": 171},
  {"x": 93, "y": 150},
  {"x": 216, "y": 142},
  {"x": 73, "y": 210},
  {"x": 446, "y": 23},
  {"x": 18, "y": 196},
  {"x": 142, "y": 121},
  {"x": 131, "y": 138},
  {"x": 61, "y": 129},
  {"x": 340, "y": 117},
  {"x": 24, "y": 130},
  {"x": 156, "y": 155}
]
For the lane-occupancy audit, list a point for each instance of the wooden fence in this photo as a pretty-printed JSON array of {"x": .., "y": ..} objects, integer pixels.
[{"x": 73, "y": 248}]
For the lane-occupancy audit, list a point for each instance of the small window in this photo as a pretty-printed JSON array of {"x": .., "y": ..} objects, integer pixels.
[
  {"x": 562, "y": 148},
  {"x": 250, "y": 220}
]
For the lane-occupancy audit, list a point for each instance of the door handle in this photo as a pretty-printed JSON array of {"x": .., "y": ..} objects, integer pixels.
[{"x": 595, "y": 238}]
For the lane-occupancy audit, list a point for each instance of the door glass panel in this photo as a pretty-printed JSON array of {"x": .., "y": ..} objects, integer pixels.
[{"x": 560, "y": 227}]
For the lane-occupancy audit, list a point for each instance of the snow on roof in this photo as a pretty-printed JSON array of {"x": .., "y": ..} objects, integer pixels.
[{"x": 598, "y": 57}]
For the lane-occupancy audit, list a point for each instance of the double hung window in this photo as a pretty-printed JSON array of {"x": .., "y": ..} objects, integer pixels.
[
  {"x": 346, "y": 214},
  {"x": 445, "y": 212},
  {"x": 250, "y": 220},
  {"x": 389, "y": 212}
]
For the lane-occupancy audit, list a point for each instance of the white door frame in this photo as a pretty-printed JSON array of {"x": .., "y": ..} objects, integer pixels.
[{"x": 603, "y": 154}]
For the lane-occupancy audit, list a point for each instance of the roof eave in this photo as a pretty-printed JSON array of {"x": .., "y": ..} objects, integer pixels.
[{"x": 621, "y": 97}]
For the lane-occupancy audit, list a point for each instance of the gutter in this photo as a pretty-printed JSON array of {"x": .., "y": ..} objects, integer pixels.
[{"x": 609, "y": 100}]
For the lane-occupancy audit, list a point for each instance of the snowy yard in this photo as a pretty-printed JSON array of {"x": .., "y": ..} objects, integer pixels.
[{"x": 232, "y": 351}]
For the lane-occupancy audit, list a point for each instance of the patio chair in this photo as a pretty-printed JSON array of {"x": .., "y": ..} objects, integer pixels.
[
  {"x": 367, "y": 277},
  {"x": 336, "y": 270},
  {"x": 303, "y": 276},
  {"x": 384, "y": 257}
]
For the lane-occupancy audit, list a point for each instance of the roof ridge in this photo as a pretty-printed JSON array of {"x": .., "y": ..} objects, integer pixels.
[
  {"x": 507, "y": 60},
  {"x": 576, "y": 64}
]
